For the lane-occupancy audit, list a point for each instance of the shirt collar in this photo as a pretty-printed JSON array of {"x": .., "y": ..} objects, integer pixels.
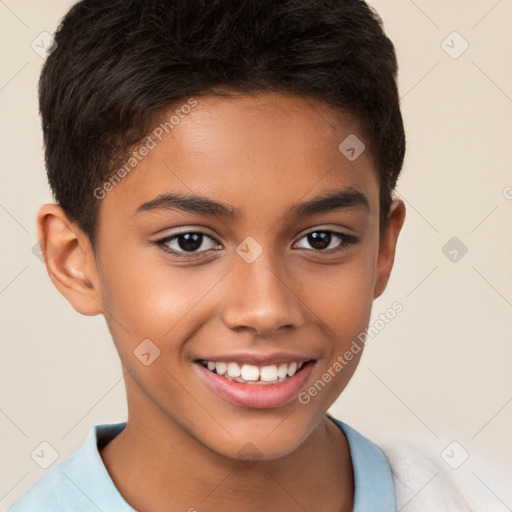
[{"x": 373, "y": 479}]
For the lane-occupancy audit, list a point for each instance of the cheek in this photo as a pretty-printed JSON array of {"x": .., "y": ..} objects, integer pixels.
[
  {"x": 144, "y": 296},
  {"x": 152, "y": 296},
  {"x": 342, "y": 295},
  {"x": 341, "y": 300}
]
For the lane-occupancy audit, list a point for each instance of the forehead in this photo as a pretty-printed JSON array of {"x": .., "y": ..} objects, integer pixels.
[{"x": 263, "y": 151}]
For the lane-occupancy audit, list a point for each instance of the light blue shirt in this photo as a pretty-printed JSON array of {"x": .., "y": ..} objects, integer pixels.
[{"x": 81, "y": 482}]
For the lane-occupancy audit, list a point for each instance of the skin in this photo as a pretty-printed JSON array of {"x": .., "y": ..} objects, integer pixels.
[{"x": 181, "y": 442}]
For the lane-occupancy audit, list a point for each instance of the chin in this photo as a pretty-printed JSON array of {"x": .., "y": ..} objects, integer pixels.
[{"x": 265, "y": 438}]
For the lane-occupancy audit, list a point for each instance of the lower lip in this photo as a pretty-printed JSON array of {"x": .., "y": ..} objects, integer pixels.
[{"x": 257, "y": 396}]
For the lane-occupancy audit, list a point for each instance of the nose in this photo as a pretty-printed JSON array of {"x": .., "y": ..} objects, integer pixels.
[{"x": 260, "y": 296}]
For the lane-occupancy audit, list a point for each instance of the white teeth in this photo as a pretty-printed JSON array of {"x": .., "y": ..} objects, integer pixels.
[
  {"x": 282, "y": 371},
  {"x": 268, "y": 373},
  {"x": 221, "y": 368},
  {"x": 292, "y": 369},
  {"x": 234, "y": 370},
  {"x": 250, "y": 372},
  {"x": 254, "y": 374}
]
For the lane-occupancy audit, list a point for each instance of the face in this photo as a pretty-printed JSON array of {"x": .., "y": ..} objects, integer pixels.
[{"x": 269, "y": 273}]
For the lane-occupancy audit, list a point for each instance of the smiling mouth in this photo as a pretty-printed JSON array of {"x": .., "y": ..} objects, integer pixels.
[{"x": 251, "y": 374}]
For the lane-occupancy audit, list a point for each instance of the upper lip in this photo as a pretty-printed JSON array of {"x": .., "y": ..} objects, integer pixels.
[{"x": 258, "y": 359}]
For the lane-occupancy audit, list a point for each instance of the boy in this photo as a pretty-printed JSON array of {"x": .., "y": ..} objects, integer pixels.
[{"x": 223, "y": 174}]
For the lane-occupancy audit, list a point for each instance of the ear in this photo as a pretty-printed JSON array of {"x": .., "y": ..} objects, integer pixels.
[
  {"x": 70, "y": 260},
  {"x": 387, "y": 246}
]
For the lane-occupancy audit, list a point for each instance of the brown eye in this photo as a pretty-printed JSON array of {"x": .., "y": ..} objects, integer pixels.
[
  {"x": 186, "y": 243},
  {"x": 319, "y": 239},
  {"x": 190, "y": 241},
  {"x": 326, "y": 240}
]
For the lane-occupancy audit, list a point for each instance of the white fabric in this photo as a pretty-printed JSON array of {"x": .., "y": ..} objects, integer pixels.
[{"x": 425, "y": 483}]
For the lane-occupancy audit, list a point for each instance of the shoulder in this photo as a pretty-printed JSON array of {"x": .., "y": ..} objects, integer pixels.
[
  {"x": 80, "y": 482},
  {"x": 52, "y": 491}
]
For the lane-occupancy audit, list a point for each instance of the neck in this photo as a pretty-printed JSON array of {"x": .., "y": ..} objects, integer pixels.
[{"x": 153, "y": 461}]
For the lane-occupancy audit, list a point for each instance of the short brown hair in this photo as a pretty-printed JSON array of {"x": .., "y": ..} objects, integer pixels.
[{"x": 119, "y": 64}]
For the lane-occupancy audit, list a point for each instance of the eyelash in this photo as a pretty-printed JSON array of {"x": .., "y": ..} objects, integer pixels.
[{"x": 347, "y": 241}]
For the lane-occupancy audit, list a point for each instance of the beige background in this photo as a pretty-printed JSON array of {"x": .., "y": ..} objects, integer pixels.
[{"x": 440, "y": 371}]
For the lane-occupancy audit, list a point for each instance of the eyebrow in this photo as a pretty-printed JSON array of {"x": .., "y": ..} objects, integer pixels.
[{"x": 336, "y": 200}]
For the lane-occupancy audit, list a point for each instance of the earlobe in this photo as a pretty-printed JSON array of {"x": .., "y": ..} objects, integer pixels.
[
  {"x": 69, "y": 259},
  {"x": 387, "y": 246}
]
